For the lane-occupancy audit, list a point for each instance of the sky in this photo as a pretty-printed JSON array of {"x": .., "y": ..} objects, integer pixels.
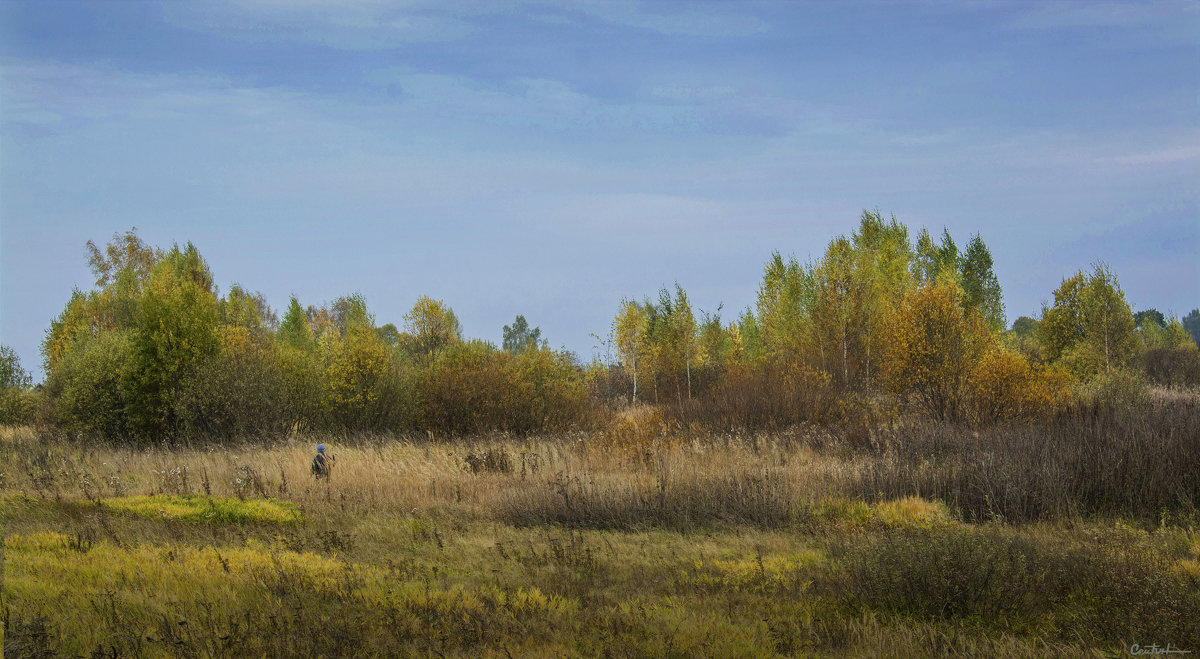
[{"x": 551, "y": 158}]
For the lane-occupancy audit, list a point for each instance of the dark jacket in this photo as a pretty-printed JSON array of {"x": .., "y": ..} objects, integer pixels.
[{"x": 322, "y": 465}]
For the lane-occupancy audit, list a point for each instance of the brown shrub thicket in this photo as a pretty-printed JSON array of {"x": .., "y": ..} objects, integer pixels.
[
  {"x": 473, "y": 388},
  {"x": 771, "y": 394},
  {"x": 1175, "y": 366},
  {"x": 1094, "y": 459}
]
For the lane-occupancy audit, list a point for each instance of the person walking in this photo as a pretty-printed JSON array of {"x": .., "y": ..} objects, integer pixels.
[{"x": 322, "y": 465}]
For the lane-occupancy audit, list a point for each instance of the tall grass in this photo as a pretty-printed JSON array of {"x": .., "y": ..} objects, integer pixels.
[
  {"x": 647, "y": 470},
  {"x": 1094, "y": 461},
  {"x": 648, "y": 535}
]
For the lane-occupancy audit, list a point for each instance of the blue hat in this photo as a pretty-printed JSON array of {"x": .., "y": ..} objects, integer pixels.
[{"x": 320, "y": 448}]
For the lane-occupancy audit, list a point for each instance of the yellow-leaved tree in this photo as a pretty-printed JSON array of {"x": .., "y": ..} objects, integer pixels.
[
  {"x": 935, "y": 344},
  {"x": 1004, "y": 386},
  {"x": 629, "y": 334},
  {"x": 356, "y": 363},
  {"x": 429, "y": 327}
]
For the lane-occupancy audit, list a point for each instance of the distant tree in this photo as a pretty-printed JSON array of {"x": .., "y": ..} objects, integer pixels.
[
  {"x": 1024, "y": 339},
  {"x": 356, "y": 362},
  {"x": 935, "y": 346},
  {"x": 981, "y": 289},
  {"x": 348, "y": 311},
  {"x": 430, "y": 326},
  {"x": 89, "y": 387},
  {"x": 241, "y": 308},
  {"x": 294, "y": 330},
  {"x": 1110, "y": 323},
  {"x": 883, "y": 259},
  {"x": 14, "y": 382},
  {"x": 1024, "y": 327},
  {"x": 1090, "y": 327},
  {"x": 1176, "y": 335},
  {"x": 12, "y": 376},
  {"x": 714, "y": 340},
  {"x": 126, "y": 254},
  {"x": 784, "y": 302},
  {"x": 836, "y": 312},
  {"x": 750, "y": 344},
  {"x": 122, "y": 270},
  {"x": 1062, "y": 324},
  {"x": 683, "y": 339},
  {"x": 629, "y": 335},
  {"x": 389, "y": 335},
  {"x": 1168, "y": 355},
  {"x": 931, "y": 260},
  {"x": 176, "y": 329},
  {"x": 300, "y": 363},
  {"x": 947, "y": 255},
  {"x": 925, "y": 258},
  {"x": 518, "y": 337},
  {"x": 1149, "y": 316},
  {"x": 70, "y": 325},
  {"x": 1191, "y": 323}
]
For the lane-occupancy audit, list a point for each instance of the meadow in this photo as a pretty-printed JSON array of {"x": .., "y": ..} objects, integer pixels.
[{"x": 643, "y": 537}]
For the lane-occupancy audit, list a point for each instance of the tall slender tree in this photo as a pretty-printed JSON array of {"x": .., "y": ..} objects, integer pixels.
[
  {"x": 629, "y": 334},
  {"x": 981, "y": 288}
]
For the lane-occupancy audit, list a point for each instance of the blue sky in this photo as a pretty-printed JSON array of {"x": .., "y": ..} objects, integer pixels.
[{"x": 550, "y": 158}]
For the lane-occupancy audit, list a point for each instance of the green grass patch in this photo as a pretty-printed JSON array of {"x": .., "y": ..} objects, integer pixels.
[
  {"x": 904, "y": 513},
  {"x": 206, "y": 510}
]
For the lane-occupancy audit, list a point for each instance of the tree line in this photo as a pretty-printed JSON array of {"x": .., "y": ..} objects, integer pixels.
[
  {"x": 155, "y": 351},
  {"x": 882, "y": 317}
]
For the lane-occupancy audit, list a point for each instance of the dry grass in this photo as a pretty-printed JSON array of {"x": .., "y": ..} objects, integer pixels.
[
  {"x": 645, "y": 540},
  {"x": 484, "y": 478}
]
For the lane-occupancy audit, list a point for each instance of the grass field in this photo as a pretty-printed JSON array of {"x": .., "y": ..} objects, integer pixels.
[{"x": 639, "y": 541}]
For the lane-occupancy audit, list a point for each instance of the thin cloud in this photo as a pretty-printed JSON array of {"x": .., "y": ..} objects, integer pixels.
[
  {"x": 340, "y": 25},
  {"x": 1186, "y": 153},
  {"x": 381, "y": 25},
  {"x": 1096, "y": 13}
]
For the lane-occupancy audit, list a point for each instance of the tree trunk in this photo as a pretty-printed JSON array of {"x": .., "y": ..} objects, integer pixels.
[
  {"x": 688, "y": 363},
  {"x": 868, "y": 360},
  {"x": 635, "y": 381},
  {"x": 845, "y": 359}
]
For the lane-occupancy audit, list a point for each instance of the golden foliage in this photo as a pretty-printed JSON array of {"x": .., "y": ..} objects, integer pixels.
[
  {"x": 1003, "y": 386},
  {"x": 354, "y": 367},
  {"x": 934, "y": 345}
]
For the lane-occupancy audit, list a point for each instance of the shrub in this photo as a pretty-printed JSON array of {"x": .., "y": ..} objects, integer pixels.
[
  {"x": 89, "y": 388},
  {"x": 301, "y": 372},
  {"x": 354, "y": 366},
  {"x": 1120, "y": 589},
  {"x": 1003, "y": 386},
  {"x": 559, "y": 397},
  {"x": 1176, "y": 366},
  {"x": 175, "y": 330},
  {"x": 471, "y": 387},
  {"x": 1089, "y": 460},
  {"x": 239, "y": 393},
  {"x": 1118, "y": 389},
  {"x": 769, "y": 394},
  {"x": 16, "y": 407},
  {"x": 946, "y": 573},
  {"x": 934, "y": 347}
]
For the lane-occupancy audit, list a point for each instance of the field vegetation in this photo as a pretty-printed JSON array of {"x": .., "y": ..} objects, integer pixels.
[
  {"x": 638, "y": 541},
  {"x": 868, "y": 462}
]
